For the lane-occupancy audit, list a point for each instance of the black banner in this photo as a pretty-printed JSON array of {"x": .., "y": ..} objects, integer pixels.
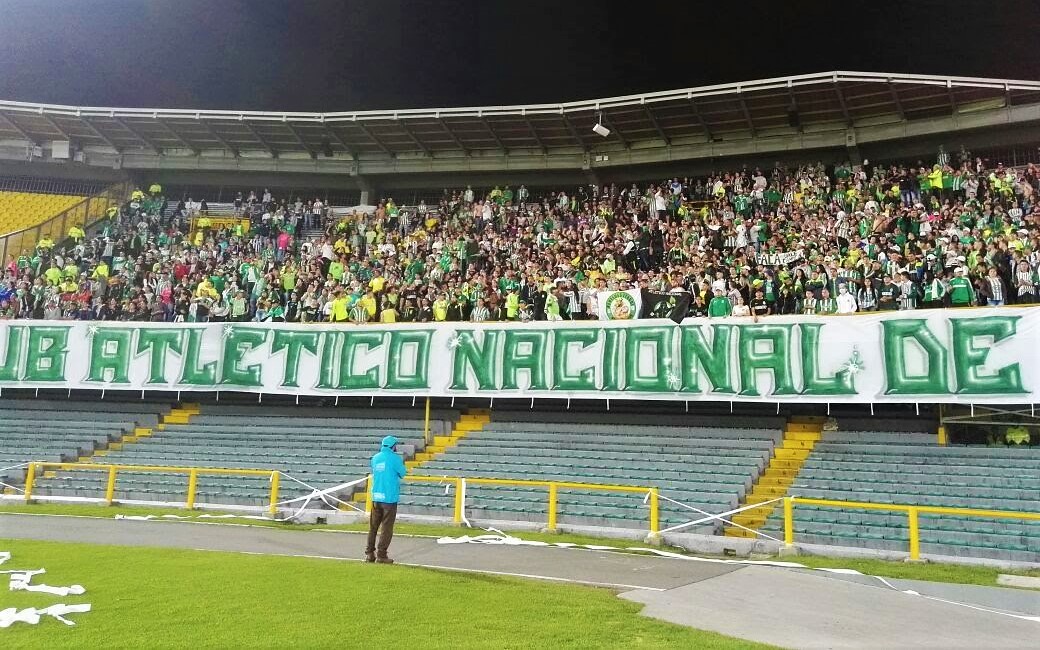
[{"x": 665, "y": 305}]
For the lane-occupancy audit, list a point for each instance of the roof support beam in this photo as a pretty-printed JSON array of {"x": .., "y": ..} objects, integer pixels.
[
  {"x": 494, "y": 136},
  {"x": 607, "y": 122},
  {"x": 454, "y": 138},
  {"x": 418, "y": 143},
  {"x": 22, "y": 132},
  {"x": 657, "y": 125},
  {"x": 259, "y": 138},
  {"x": 57, "y": 127},
  {"x": 299, "y": 137},
  {"x": 747, "y": 113},
  {"x": 534, "y": 134},
  {"x": 341, "y": 142},
  {"x": 177, "y": 136},
  {"x": 895, "y": 99},
  {"x": 216, "y": 136},
  {"x": 372, "y": 136},
  {"x": 844, "y": 106},
  {"x": 147, "y": 141},
  {"x": 700, "y": 118},
  {"x": 104, "y": 138},
  {"x": 573, "y": 131}
]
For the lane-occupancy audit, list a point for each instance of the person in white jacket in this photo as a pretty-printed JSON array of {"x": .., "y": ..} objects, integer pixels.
[{"x": 846, "y": 301}]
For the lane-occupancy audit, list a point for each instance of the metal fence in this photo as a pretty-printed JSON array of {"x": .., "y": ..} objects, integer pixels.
[
  {"x": 50, "y": 186},
  {"x": 85, "y": 214}
]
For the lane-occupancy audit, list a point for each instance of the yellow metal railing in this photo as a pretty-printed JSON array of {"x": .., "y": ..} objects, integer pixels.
[
  {"x": 553, "y": 488},
  {"x": 192, "y": 472},
  {"x": 912, "y": 513}
]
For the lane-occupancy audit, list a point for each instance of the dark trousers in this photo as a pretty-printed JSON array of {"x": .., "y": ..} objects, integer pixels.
[{"x": 381, "y": 521}]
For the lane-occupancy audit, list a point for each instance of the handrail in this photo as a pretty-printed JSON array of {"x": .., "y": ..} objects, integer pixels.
[
  {"x": 912, "y": 512},
  {"x": 192, "y": 472},
  {"x": 460, "y": 483}
]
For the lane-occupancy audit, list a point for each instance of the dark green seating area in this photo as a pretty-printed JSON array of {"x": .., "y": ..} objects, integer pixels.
[
  {"x": 320, "y": 446},
  {"x": 874, "y": 467},
  {"x": 705, "y": 462},
  {"x": 63, "y": 431}
]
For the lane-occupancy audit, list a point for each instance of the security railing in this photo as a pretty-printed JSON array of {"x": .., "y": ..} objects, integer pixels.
[
  {"x": 50, "y": 186},
  {"x": 912, "y": 512},
  {"x": 553, "y": 487},
  {"x": 84, "y": 214},
  {"x": 192, "y": 473}
]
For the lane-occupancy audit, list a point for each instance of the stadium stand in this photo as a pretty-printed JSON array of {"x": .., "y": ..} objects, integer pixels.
[
  {"x": 703, "y": 462},
  {"x": 58, "y": 431},
  {"x": 20, "y": 210},
  {"x": 323, "y": 447},
  {"x": 908, "y": 468}
]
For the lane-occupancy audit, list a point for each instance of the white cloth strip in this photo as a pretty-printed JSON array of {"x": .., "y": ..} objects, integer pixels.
[{"x": 31, "y": 615}]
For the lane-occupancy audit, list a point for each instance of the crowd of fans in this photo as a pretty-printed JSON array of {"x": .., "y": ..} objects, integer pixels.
[{"x": 806, "y": 240}]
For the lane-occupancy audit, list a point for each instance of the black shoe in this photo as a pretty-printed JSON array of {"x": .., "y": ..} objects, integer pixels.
[
  {"x": 384, "y": 560},
  {"x": 370, "y": 557}
]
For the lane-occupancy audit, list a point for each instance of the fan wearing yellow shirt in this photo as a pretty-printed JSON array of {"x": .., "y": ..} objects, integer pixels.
[
  {"x": 76, "y": 233},
  {"x": 340, "y": 312},
  {"x": 377, "y": 282}
]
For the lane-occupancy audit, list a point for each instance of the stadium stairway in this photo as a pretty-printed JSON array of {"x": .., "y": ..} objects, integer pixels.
[
  {"x": 899, "y": 467},
  {"x": 800, "y": 436}
]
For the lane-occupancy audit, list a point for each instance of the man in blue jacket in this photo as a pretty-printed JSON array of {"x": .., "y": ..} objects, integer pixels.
[{"x": 387, "y": 471}]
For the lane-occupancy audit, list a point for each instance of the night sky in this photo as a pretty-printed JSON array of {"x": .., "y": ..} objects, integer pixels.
[{"x": 330, "y": 56}]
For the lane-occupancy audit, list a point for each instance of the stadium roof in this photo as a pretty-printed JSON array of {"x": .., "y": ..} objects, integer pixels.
[{"x": 808, "y": 103}]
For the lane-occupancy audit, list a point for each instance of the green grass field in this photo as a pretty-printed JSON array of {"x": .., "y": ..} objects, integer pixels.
[{"x": 160, "y": 598}]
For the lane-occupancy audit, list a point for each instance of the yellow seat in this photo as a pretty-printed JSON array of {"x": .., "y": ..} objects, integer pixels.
[{"x": 20, "y": 210}]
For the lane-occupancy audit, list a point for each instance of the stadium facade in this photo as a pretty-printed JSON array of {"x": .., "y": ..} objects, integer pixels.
[{"x": 828, "y": 116}]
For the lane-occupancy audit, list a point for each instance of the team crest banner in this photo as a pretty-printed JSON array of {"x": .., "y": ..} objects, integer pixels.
[
  {"x": 621, "y": 305},
  {"x": 978, "y": 355}
]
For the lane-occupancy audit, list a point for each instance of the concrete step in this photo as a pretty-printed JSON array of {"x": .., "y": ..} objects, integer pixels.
[
  {"x": 813, "y": 436},
  {"x": 792, "y": 454},
  {"x": 799, "y": 444}
]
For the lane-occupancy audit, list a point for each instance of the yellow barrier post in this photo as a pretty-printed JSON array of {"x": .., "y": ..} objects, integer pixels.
[
  {"x": 368, "y": 496},
  {"x": 30, "y": 477},
  {"x": 275, "y": 478},
  {"x": 110, "y": 489},
  {"x": 426, "y": 423},
  {"x": 915, "y": 535},
  {"x": 551, "y": 526},
  {"x": 460, "y": 488},
  {"x": 655, "y": 513},
  {"x": 193, "y": 479},
  {"x": 788, "y": 521}
]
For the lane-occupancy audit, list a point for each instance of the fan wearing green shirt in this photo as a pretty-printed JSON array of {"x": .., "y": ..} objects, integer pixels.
[{"x": 719, "y": 307}]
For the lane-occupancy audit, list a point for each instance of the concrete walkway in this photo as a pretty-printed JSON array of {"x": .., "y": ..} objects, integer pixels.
[{"x": 788, "y": 607}]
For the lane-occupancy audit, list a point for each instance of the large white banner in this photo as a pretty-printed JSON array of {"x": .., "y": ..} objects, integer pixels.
[{"x": 977, "y": 355}]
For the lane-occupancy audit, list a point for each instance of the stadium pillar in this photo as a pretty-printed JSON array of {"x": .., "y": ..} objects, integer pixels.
[
  {"x": 426, "y": 423},
  {"x": 193, "y": 481},
  {"x": 368, "y": 190},
  {"x": 110, "y": 488},
  {"x": 273, "y": 508},
  {"x": 551, "y": 525},
  {"x": 30, "y": 478},
  {"x": 915, "y": 535}
]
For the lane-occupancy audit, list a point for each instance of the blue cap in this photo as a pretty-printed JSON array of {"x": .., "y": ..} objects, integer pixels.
[{"x": 389, "y": 442}]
